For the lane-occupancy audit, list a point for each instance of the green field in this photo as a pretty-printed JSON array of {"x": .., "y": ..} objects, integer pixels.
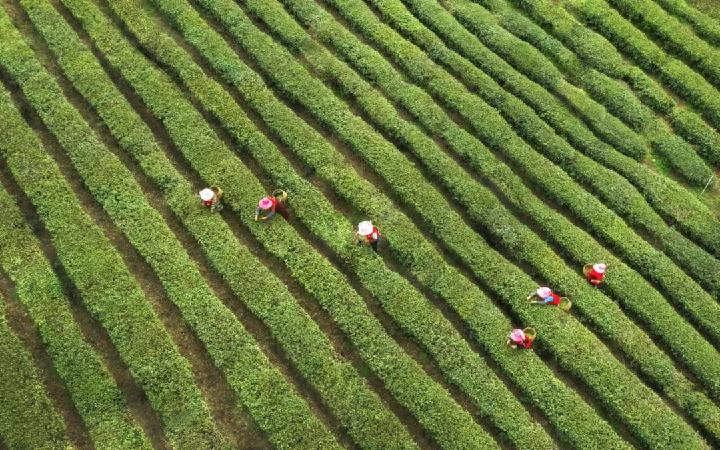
[{"x": 499, "y": 145}]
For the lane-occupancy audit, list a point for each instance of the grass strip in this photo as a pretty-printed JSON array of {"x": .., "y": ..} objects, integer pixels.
[
  {"x": 263, "y": 50},
  {"x": 27, "y": 417},
  {"x": 110, "y": 292},
  {"x": 404, "y": 378}
]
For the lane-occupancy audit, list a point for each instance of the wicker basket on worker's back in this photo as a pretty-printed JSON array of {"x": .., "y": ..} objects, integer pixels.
[
  {"x": 530, "y": 332},
  {"x": 565, "y": 304}
]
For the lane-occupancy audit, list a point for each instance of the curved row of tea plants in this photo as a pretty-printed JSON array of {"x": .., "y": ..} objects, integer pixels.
[
  {"x": 230, "y": 346},
  {"x": 263, "y": 50},
  {"x": 94, "y": 393},
  {"x": 628, "y": 286},
  {"x": 303, "y": 139},
  {"x": 404, "y": 378},
  {"x": 108, "y": 289}
]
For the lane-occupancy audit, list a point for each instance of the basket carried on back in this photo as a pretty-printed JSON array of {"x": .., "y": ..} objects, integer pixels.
[
  {"x": 217, "y": 206},
  {"x": 530, "y": 332},
  {"x": 565, "y": 304},
  {"x": 280, "y": 195},
  {"x": 218, "y": 192}
]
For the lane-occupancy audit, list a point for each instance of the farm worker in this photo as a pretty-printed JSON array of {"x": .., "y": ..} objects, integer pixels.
[
  {"x": 210, "y": 197},
  {"x": 369, "y": 234},
  {"x": 518, "y": 338},
  {"x": 268, "y": 206},
  {"x": 546, "y": 296},
  {"x": 595, "y": 273}
]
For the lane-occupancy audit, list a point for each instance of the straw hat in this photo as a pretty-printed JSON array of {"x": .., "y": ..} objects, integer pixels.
[
  {"x": 543, "y": 292},
  {"x": 517, "y": 335},
  {"x": 599, "y": 267},
  {"x": 265, "y": 203},
  {"x": 365, "y": 228},
  {"x": 207, "y": 194}
]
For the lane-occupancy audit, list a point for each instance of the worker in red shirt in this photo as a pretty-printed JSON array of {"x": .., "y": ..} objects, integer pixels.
[
  {"x": 518, "y": 338},
  {"x": 210, "y": 197},
  {"x": 368, "y": 233},
  {"x": 546, "y": 296},
  {"x": 270, "y": 205},
  {"x": 595, "y": 273}
]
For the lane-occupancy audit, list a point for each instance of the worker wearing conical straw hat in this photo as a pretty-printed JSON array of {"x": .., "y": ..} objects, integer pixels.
[
  {"x": 210, "y": 197},
  {"x": 519, "y": 338},
  {"x": 595, "y": 273},
  {"x": 369, "y": 234},
  {"x": 268, "y": 206},
  {"x": 545, "y": 296}
]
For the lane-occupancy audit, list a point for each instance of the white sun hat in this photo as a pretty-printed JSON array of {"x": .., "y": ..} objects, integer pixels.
[
  {"x": 544, "y": 292},
  {"x": 365, "y": 228},
  {"x": 207, "y": 194},
  {"x": 599, "y": 267}
]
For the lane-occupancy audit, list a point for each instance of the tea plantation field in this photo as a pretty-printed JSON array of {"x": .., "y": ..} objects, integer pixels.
[{"x": 498, "y": 145}]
